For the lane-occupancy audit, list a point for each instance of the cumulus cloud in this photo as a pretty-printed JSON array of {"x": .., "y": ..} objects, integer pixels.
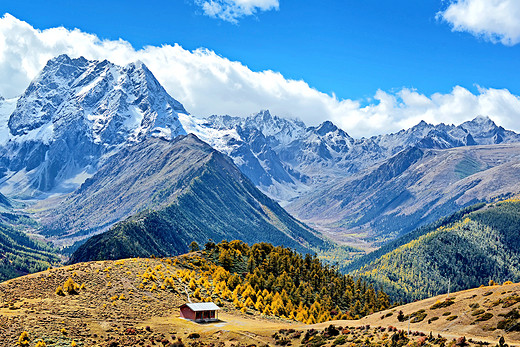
[
  {"x": 207, "y": 83},
  {"x": 232, "y": 10},
  {"x": 494, "y": 20}
]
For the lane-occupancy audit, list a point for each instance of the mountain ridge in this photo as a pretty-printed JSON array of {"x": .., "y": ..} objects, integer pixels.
[
  {"x": 467, "y": 249},
  {"x": 74, "y": 113},
  {"x": 167, "y": 194}
]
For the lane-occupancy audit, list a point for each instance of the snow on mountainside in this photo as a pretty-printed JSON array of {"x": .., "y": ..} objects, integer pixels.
[
  {"x": 75, "y": 112},
  {"x": 6, "y": 109},
  {"x": 285, "y": 159},
  {"x": 250, "y": 142}
]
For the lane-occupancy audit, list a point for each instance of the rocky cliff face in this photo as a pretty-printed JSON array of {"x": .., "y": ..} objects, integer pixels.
[{"x": 75, "y": 112}]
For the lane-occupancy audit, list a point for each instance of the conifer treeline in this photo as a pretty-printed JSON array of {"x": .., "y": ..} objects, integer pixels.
[
  {"x": 463, "y": 251},
  {"x": 20, "y": 255},
  {"x": 279, "y": 281}
]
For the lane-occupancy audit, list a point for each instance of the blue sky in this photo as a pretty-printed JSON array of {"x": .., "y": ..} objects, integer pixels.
[{"x": 350, "y": 49}]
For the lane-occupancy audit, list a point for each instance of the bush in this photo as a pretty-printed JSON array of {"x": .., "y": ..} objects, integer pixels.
[
  {"x": 450, "y": 318},
  {"x": 59, "y": 291},
  {"x": 441, "y": 304},
  {"x": 418, "y": 316},
  {"x": 178, "y": 343},
  {"x": 485, "y": 317},
  {"x": 340, "y": 340},
  {"x": 432, "y": 319},
  {"x": 70, "y": 286},
  {"x": 23, "y": 340}
]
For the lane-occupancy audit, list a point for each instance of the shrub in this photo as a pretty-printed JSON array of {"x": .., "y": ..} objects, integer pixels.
[
  {"x": 340, "y": 340},
  {"x": 461, "y": 341},
  {"x": 178, "y": 343},
  {"x": 70, "y": 286},
  {"x": 23, "y": 340},
  {"x": 450, "y": 318},
  {"x": 485, "y": 317},
  {"x": 441, "y": 304},
  {"x": 432, "y": 319},
  {"x": 59, "y": 291},
  {"x": 418, "y": 316},
  {"x": 40, "y": 344}
]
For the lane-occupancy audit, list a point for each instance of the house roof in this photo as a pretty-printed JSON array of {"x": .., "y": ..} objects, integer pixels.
[{"x": 202, "y": 306}]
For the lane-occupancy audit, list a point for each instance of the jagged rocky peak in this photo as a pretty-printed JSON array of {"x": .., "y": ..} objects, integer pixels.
[
  {"x": 78, "y": 110},
  {"x": 485, "y": 131},
  {"x": 284, "y": 130},
  {"x": 116, "y": 104},
  {"x": 328, "y": 127},
  {"x": 480, "y": 125}
]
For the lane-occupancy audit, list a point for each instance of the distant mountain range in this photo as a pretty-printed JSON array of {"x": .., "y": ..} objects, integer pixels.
[
  {"x": 78, "y": 141},
  {"x": 285, "y": 158},
  {"x": 369, "y": 189}
]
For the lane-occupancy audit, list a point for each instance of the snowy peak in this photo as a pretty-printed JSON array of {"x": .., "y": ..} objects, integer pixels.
[
  {"x": 325, "y": 128},
  {"x": 486, "y": 132},
  {"x": 281, "y": 131},
  {"x": 116, "y": 104},
  {"x": 75, "y": 113}
]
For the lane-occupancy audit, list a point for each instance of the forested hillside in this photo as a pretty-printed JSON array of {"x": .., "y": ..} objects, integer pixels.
[
  {"x": 467, "y": 251},
  {"x": 278, "y": 281},
  {"x": 20, "y": 255}
]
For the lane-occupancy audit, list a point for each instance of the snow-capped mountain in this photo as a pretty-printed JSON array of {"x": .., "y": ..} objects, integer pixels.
[
  {"x": 285, "y": 159},
  {"x": 75, "y": 112}
]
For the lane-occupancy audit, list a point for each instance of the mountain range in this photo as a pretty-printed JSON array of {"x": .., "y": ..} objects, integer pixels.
[
  {"x": 80, "y": 142},
  {"x": 369, "y": 190}
]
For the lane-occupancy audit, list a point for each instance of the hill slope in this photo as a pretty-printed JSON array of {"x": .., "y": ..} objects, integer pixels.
[
  {"x": 20, "y": 255},
  {"x": 467, "y": 251},
  {"x": 184, "y": 192},
  {"x": 116, "y": 300},
  {"x": 484, "y": 314},
  {"x": 117, "y": 305}
]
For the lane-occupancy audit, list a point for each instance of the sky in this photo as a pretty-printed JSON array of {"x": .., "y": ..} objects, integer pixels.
[{"x": 369, "y": 66}]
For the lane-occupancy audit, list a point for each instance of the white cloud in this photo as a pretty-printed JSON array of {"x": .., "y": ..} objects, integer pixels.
[
  {"x": 232, "y": 10},
  {"x": 207, "y": 83},
  {"x": 494, "y": 20}
]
